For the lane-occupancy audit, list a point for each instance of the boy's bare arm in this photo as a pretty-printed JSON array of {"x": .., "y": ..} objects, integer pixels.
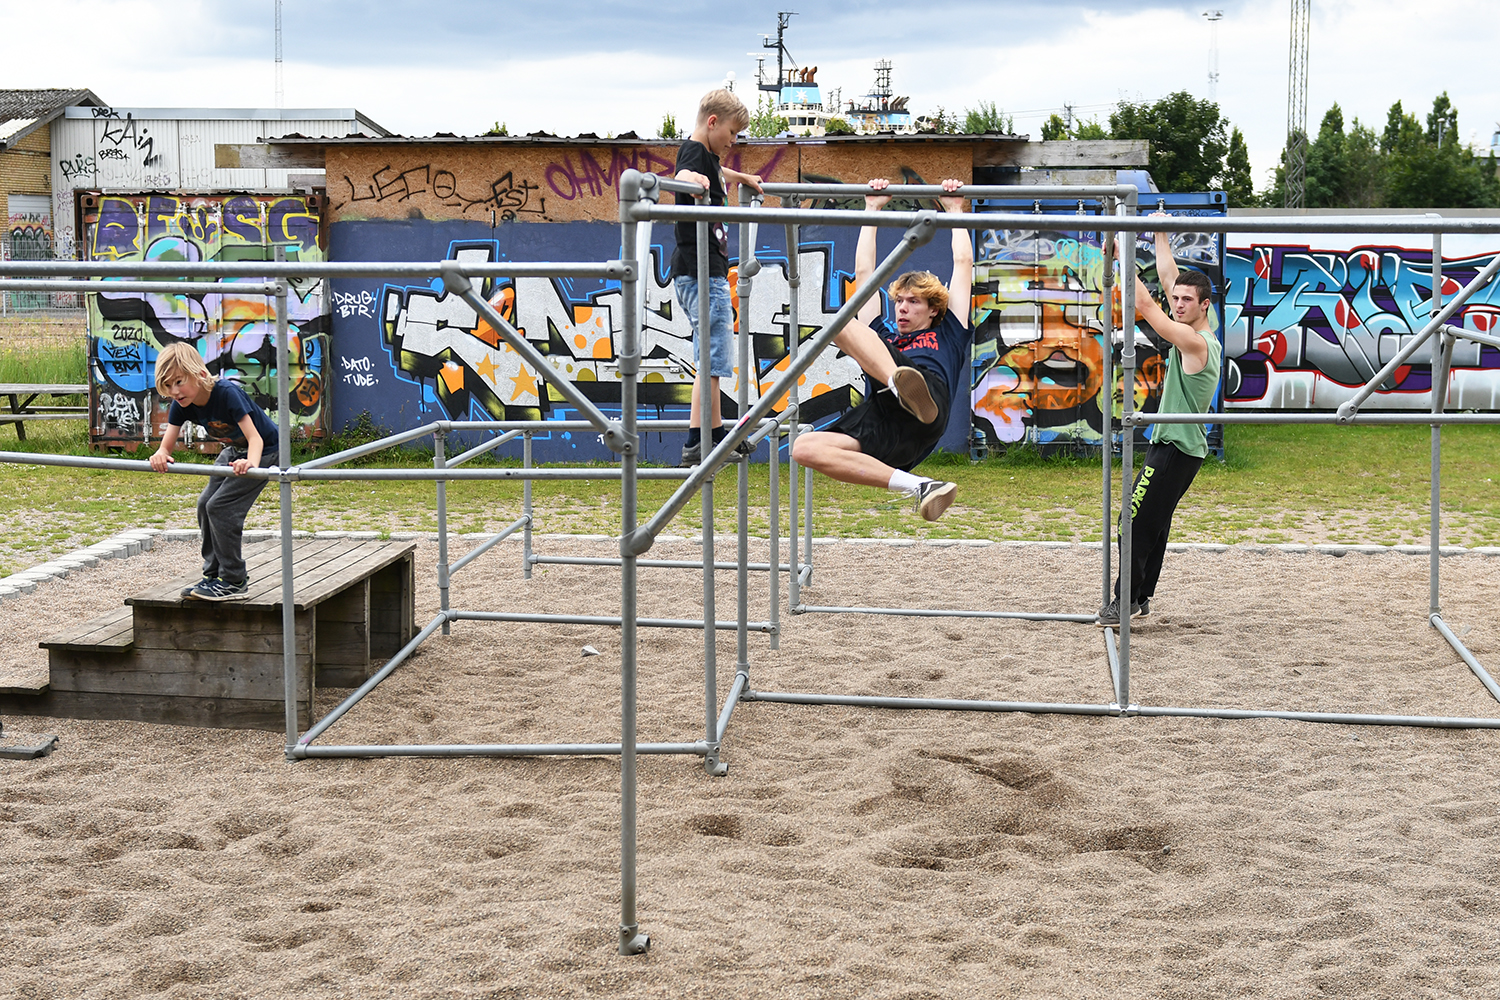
[
  {"x": 162, "y": 457},
  {"x": 961, "y": 285},
  {"x": 1166, "y": 267},
  {"x": 692, "y": 177},
  {"x": 737, "y": 177},
  {"x": 253, "y": 447},
  {"x": 1187, "y": 340},
  {"x": 865, "y": 249}
]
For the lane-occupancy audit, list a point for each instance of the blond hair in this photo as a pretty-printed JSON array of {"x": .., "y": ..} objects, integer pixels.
[
  {"x": 924, "y": 284},
  {"x": 727, "y": 105},
  {"x": 182, "y": 359}
]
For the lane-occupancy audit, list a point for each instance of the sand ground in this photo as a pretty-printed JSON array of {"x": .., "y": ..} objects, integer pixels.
[{"x": 849, "y": 852}]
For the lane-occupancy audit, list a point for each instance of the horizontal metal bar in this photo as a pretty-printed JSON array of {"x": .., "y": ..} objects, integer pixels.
[
  {"x": 810, "y": 609},
  {"x": 495, "y": 750},
  {"x": 435, "y": 475},
  {"x": 1062, "y": 191},
  {"x": 1272, "y": 417},
  {"x": 680, "y": 424},
  {"x": 489, "y": 543},
  {"x": 1467, "y": 656},
  {"x": 944, "y": 704},
  {"x": 1074, "y": 223},
  {"x": 126, "y": 464},
  {"x": 608, "y": 620},
  {"x": 265, "y": 269},
  {"x": 1337, "y": 718},
  {"x": 1478, "y": 338},
  {"x": 736, "y": 692},
  {"x": 659, "y": 563},
  {"x": 153, "y": 287}
]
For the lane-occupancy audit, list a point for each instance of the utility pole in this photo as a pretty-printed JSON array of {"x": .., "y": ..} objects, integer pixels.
[
  {"x": 1214, "y": 17},
  {"x": 1296, "y": 107},
  {"x": 279, "y": 98}
]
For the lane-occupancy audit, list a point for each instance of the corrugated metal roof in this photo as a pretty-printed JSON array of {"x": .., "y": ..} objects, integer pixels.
[
  {"x": 627, "y": 139},
  {"x": 24, "y": 111},
  {"x": 237, "y": 114}
]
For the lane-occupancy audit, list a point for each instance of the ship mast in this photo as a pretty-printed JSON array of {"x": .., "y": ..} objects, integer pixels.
[{"x": 783, "y": 18}]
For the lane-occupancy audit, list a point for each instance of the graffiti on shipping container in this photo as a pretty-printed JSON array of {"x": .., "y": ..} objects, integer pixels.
[
  {"x": 234, "y": 333},
  {"x": 1305, "y": 328},
  {"x": 1039, "y": 336}
]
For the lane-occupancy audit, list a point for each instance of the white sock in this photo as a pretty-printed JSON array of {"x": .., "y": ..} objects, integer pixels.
[{"x": 904, "y": 481}]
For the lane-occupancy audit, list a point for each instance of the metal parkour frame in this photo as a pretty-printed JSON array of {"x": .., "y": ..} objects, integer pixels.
[
  {"x": 638, "y": 209},
  {"x": 1119, "y": 216}
]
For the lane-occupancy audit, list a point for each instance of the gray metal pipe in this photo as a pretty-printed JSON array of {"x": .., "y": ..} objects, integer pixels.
[
  {"x": 267, "y": 288},
  {"x": 497, "y": 750},
  {"x": 288, "y": 584},
  {"x": 310, "y": 269},
  {"x": 1043, "y": 191},
  {"x": 487, "y": 544},
  {"x": 1276, "y": 417},
  {"x": 1465, "y": 655},
  {"x": 1037, "y": 616},
  {"x": 657, "y": 563},
  {"x": 942, "y": 704},
  {"x": 607, "y": 620},
  {"x": 1337, "y": 718}
]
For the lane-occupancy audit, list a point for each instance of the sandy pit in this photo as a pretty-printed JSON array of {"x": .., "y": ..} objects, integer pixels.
[{"x": 849, "y": 852}]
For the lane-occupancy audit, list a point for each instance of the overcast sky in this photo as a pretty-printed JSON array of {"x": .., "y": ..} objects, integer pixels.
[{"x": 566, "y": 67}]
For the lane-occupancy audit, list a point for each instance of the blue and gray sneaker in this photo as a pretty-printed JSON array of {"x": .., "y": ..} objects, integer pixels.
[
  {"x": 221, "y": 590},
  {"x": 187, "y": 592}
]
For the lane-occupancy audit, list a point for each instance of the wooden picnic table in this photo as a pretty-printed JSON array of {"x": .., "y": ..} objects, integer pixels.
[{"x": 22, "y": 396}]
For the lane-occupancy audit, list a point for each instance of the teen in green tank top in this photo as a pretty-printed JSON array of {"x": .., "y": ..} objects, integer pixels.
[{"x": 1177, "y": 450}]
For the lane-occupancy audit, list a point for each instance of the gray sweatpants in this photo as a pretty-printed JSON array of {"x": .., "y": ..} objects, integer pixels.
[{"x": 222, "y": 507}]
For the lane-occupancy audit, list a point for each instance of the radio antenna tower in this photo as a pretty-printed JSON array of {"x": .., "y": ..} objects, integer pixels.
[
  {"x": 1296, "y": 107},
  {"x": 279, "y": 97},
  {"x": 1214, "y": 17}
]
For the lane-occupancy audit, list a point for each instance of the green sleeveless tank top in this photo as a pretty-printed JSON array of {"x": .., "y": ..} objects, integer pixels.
[{"x": 1183, "y": 393}]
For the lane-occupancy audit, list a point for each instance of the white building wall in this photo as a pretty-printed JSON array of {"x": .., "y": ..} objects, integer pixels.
[{"x": 171, "y": 150}]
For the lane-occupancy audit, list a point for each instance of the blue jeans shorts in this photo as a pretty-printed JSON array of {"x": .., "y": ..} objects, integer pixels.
[{"x": 720, "y": 322}]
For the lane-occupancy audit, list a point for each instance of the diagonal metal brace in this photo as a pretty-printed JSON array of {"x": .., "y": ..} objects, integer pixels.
[{"x": 611, "y": 431}]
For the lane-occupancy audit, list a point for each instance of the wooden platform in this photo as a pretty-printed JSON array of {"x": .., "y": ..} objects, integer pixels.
[{"x": 162, "y": 658}]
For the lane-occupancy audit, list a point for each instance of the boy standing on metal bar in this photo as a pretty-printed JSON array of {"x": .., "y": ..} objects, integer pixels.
[
  {"x": 1177, "y": 450},
  {"x": 911, "y": 372},
  {"x": 721, "y": 116},
  {"x": 226, "y": 414}
]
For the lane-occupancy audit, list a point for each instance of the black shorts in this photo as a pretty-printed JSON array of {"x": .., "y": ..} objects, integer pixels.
[{"x": 887, "y": 432}]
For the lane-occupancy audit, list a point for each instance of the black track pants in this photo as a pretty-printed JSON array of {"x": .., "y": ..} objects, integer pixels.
[{"x": 1165, "y": 476}]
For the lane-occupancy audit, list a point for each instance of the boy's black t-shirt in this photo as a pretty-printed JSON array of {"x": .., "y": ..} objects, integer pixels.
[
  {"x": 220, "y": 417},
  {"x": 693, "y": 155},
  {"x": 946, "y": 347}
]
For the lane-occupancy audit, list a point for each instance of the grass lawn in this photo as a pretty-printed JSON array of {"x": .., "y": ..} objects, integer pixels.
[{"x": 1280, "y": 484}]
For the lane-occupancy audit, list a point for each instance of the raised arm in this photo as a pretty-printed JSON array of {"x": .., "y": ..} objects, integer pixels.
[
  {"x": 1187, "y": 340},
  {"x": 1166, "y": 267},
  {"x": 864, "y": 251},
  {"x": 961, "y": 285}
]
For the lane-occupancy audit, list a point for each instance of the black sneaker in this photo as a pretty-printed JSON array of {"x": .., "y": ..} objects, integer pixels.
[
  {"x": 910, "y": 387},
  {"x": 187, "y": 592},
  {"x": 1109, "y": 615},
  {"x": 221, "y": 590},
  {"x": 932, "y": 498}
]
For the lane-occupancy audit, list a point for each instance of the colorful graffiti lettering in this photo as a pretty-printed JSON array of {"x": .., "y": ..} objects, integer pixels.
[
  {"x": 235, "y": 333},
  {"x": 468, "y": 372},
  {"x": 1305, "y": 328}
]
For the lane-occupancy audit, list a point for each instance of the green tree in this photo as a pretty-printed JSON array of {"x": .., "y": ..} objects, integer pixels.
[
  {"x": 1187, "y": 136},
  {"x": 1430, "y": 168},
  {"x": 668, "y": 128},
  {"x": 1054, "y": 128},
  {"x": 837, "y": 126},
  {"x": 766, "y": 122},
  {"x": 1090, "y": 129},
  {"x": 1239, "y": 184},
  {"x": 987, "y": 119},
  {"x": 941, "y": 122}
]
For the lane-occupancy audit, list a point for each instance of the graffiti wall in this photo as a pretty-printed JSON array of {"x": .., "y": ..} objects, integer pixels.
[
  {"x": 1308, "y": 323},
  {"x": 233, "y": 333},
  {"x": 1039, "y": 333},
  {"x": 411, "y": 353}
]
